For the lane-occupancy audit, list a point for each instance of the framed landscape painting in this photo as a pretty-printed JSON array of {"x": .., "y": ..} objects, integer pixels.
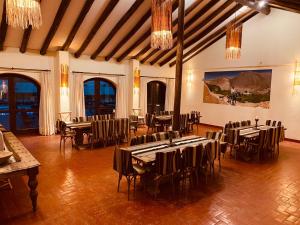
[{"x": 250, "y": 88}]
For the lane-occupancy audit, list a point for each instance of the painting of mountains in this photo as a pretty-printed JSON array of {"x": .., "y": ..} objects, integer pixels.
[{"x": 250, "y": 88}]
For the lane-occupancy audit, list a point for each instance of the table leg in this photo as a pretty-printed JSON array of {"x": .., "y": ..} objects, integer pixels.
[{"x": 33, "y": 183}]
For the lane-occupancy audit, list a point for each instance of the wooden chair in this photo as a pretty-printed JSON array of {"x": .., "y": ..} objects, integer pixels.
[
  {"x": 274, "y": 123},
  {"x": 65, "y": 134},
  {"x": 219, "y": 136},
  {"x": 167, "y": 166},
  {"x": 268, "y": 122},
  {"x": 133, "y": 124},
  {"x": 122, "y": 163},
  {"x": 138, "y": 140},
  {"x": 259, "y": 144}
]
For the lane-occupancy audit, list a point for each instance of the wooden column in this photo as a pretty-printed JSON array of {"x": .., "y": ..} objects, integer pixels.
[{"x": 179, "y": 56}]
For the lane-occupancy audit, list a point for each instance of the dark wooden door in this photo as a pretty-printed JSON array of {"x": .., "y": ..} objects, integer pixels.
[{"x": 156, "y": 96}]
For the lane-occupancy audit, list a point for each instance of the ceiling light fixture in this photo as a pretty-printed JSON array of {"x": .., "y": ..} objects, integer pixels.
[
  {"x": 23, "y": 13},
  {"x": 161, "y": 35}
]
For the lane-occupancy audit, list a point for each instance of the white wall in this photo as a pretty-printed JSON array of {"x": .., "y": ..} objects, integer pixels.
[{"x": 269, "y": 42}]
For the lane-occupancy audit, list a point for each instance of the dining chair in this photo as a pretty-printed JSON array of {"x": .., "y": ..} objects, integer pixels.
[
  {"x": 193, "y": 163},
  {"x": 260, "y": 144},
  {"x": 133, "y": 124},
  {"x": 142, "y": 139},
  {"x": 122, "y": 163},
  {"x": 279, "y": 124},
  {"x": 65, "y": 134},
  {"x": 274, "y": 123},
  {"x": 160, "y": 136},
  {"x": 167, "y": 165},
  {"x": 212, "y": 148},
  {"x": 222, "y": 148},
  {"x": 268, "y": 122}
]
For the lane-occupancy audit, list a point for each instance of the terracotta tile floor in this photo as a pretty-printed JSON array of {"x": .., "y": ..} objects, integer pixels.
[{"x": 80, "y": 188}]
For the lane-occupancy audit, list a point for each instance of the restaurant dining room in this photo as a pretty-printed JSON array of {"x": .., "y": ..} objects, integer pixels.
[{"x": 136, "y": 112}]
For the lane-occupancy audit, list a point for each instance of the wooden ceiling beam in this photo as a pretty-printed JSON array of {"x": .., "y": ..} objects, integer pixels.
[
  {"x": 203, "y": 23},
  {"x": 117, "y": 27},
  {"x": 25, "y": 39},
  {"x": 130, "y": 34},
  {"x": 285, "y": 5},
  {"x": 175, "y": 22},
  {"x": 107, "y": 11},
  {"x": 255, "y": 6},
  {"x": 214, "y": 37},
  {"x": 3, "y": 27},
  {"x": 57, "y": 20},
  {"x": 204, "y": 32},
  {"x": 142, "y": 38},
  {"x": 84, "y": 11}
]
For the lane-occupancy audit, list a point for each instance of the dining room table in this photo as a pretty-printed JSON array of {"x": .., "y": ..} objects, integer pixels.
[
  {"x": 80, "y": 129},
  {"x": 146, "y": 153},
  {"x": 165, "y": 121}
]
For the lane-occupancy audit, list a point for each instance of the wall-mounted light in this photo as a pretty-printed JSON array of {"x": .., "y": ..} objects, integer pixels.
[
  {"x": 136, "y": 81},
  {"x": 64, "y": 79},
  {"x": 297, "y": 74},
  {"x": 190, "y": 78}
]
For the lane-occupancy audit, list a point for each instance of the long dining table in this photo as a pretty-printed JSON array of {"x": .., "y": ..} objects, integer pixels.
[
  {"x": 248, "y": 132},
  {"x": 145, "y": 153},
  {"x": 79, "y": 128}
]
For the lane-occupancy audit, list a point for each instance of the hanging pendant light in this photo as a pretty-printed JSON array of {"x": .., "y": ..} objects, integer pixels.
[
  {"x": 233, "y": 41},
  {"x": 161, "y": 35},
  {"x": 22, "y": 13}
]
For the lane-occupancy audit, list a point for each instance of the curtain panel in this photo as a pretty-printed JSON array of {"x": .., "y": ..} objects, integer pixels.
[
  {"x": 77, "y": 96},
  {"x": 46, "y": 111}
]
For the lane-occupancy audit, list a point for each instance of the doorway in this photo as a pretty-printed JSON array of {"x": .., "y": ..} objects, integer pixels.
[
  {"x": 19, "y": 103},
  {"x": 156, "y": 96}
]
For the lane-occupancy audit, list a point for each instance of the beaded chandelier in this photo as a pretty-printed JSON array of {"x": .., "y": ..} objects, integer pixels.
[
  {"x": 23, "y": 13},
  {"x": 233, "y": 41},
  {"x": 161, "y": 35}
]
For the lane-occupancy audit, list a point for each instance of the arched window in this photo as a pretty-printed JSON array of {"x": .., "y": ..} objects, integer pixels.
[
  {"x": 19, "y": 103},
  {"x": 156, "y": 96},
  {"x": 100, "y": 96}
]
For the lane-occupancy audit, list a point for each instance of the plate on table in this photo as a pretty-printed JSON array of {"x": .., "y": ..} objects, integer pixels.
[{"x": 4, "y": 156}]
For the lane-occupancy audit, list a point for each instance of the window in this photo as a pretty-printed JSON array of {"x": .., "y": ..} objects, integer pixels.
[
  {"x": 19, "y": 103},
  {"x": 100, "y": 97}
]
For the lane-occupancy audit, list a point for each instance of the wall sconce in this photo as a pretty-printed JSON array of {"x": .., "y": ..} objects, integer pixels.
[
  {"x": 297, "y": 74},
  {"x": 64, "y": 79},
  {"x": 136, "y": 81},
  {"x": 190, "y": 78}
]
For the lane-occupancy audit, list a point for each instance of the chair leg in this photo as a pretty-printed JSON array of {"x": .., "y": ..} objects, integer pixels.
[
  {"x": 60, "y": 143},
  {"x": 220, "y": 164},
  {"x": 128, "y": 186},
  {"x": 119, "y": 179},
  {"x": 134, "y": 185}
]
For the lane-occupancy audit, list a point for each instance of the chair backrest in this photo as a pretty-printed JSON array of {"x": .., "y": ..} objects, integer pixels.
[
  {"x": 138, "y": 140},
  {"x": 166, "y": 163},
  {"x": 160, "y": 136},
  {"x": 192, "y": 157},
  {"x": 234, "y": 136},
  {"x": 274, "y": 123},
  {"x": 215, "y": 135},
  {"x": 122, "y": 162},
  {"x": 147, "y": 119},
  {"x": 248, "y": 122},
  {"x": 133, "y": 118},
  {"x": 268, "y": 122},
  {"x": 263, "y": 139},
  {"x": 212, "y": 148},
  {"x": 62, "y": 127},
  {"x": 279, "y": 124},
  {"x": 243, "y": 123}
]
